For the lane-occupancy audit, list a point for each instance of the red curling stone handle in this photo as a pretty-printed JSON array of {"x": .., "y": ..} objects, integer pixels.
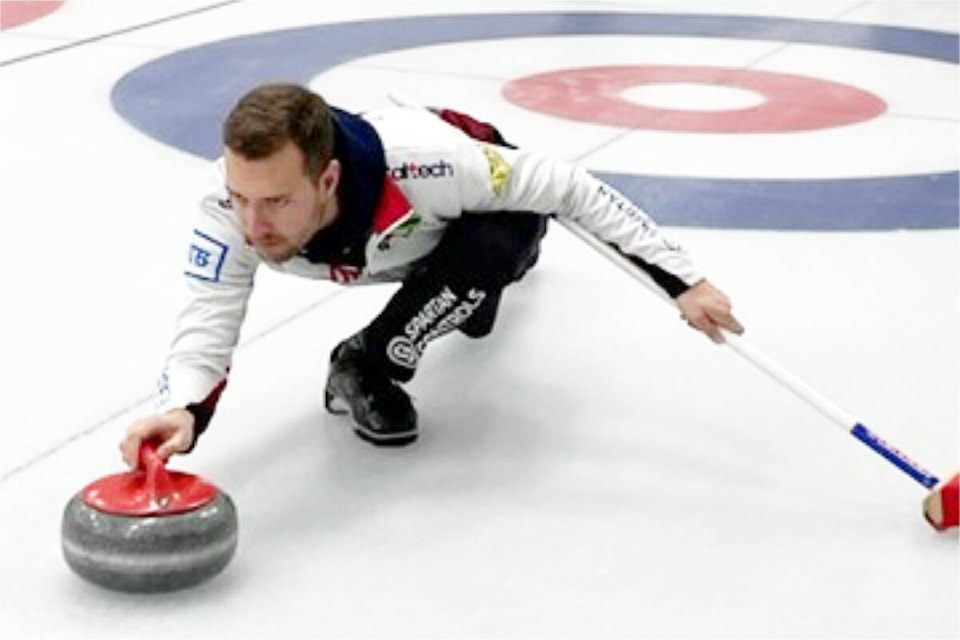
[
  {"x": 157, "y": 481},
  {"x": 149, "y": 490}
]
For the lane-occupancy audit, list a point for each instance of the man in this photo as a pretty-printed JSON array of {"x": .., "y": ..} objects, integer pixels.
[{"x": 402, "y": 194}]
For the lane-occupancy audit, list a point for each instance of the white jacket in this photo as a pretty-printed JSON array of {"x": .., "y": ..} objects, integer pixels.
[{"x": 437, "y": 174}]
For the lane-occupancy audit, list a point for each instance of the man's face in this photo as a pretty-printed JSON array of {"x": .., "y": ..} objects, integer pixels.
[{"x": 279, "y": 207}]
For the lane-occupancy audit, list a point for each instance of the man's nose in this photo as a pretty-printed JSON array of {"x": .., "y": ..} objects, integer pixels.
[{"x": 257, "y": 220}]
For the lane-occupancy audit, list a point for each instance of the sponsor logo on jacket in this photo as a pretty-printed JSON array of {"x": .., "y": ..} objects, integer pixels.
[
  {"x": 414, "y": 171},
  {"x": 403, "y": 230},
  {"x": 634, "y": 213},
  {"x": 206, "y": 257},
  {"x": 163, "y": 387},
  {"x": 499, "y": 170}
]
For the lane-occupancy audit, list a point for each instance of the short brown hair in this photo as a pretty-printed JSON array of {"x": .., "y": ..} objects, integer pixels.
[{"x": 264, "y": 119}]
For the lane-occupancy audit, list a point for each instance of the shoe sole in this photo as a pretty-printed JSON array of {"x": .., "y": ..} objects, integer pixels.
[{"x": 338, "y": 406}]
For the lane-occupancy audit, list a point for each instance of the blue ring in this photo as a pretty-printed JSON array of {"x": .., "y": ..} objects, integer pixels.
[{"x": 181, "y": 99}]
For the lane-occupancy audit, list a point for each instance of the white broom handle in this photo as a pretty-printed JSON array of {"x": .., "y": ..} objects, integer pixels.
[{"x": 791, "y": 382}]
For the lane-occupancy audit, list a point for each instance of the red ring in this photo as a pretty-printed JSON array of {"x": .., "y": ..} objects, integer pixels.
[
  {"x": 792, "y": 102},
  {"x": 15, "y": 13}
]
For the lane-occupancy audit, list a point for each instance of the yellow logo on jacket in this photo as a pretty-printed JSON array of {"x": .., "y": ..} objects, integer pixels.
[{"x": 499, "y": 170}]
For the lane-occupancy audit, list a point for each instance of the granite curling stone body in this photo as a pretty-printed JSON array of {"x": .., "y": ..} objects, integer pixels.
[{"x": 149, "y": 530}]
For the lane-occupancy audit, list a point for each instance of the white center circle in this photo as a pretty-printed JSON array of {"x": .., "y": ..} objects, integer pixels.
[{"x": 692, "y": 96}]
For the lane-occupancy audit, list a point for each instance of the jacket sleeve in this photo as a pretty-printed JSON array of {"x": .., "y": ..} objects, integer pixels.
[
  {"x": 519, "y": 180},
  {"x": 218, "y": 279}
]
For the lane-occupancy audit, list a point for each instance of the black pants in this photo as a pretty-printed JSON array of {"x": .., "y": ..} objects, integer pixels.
[{"x": 457, "y": 286}]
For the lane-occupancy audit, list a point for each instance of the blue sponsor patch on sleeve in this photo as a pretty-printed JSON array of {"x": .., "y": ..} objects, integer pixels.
[
  {"x": 206, "y": 257},
  {"x": 163, "y": 386}
]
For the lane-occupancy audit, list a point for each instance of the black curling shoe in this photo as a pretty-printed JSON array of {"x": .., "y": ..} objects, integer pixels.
[{"x": 381, "y": 410}]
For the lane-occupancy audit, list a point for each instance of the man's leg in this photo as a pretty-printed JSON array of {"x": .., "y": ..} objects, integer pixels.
[{"x": 458, "y": 286}]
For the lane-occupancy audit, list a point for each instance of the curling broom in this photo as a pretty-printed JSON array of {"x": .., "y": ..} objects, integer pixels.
[{"x": 942, "y": 503}]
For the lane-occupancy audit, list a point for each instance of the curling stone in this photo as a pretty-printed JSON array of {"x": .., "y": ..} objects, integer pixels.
[{"x": 149, "y": 530}]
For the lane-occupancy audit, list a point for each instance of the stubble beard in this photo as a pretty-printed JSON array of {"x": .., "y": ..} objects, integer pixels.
[
  {"x": 285, "y": 249},
  {"x": 277, "y": 253}
]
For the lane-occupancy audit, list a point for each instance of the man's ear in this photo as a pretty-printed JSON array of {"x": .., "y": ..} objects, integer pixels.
[{"x": 329, "y": 177}]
